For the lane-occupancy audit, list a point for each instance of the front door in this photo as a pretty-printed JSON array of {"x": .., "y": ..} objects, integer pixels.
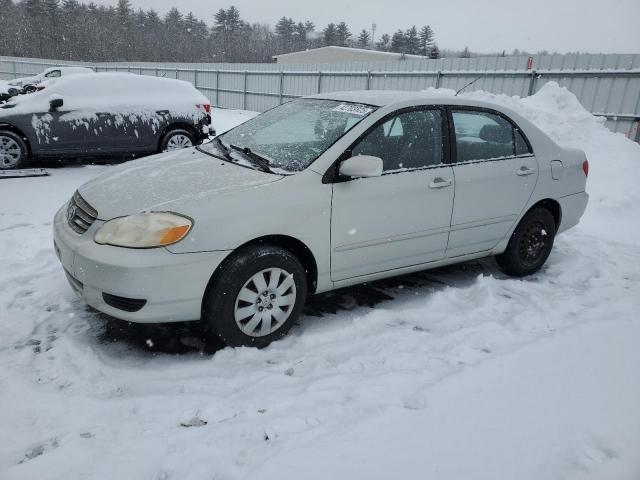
[
  {"x": 495, "y": 174},
  {"x": 401, "y": 218},
  {"x": 66, "y": 131}
]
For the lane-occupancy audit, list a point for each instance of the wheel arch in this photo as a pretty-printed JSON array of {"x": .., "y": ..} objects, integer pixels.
[
  {"x": 553, "y": 206},
  {"x": 293, "y": 245}
]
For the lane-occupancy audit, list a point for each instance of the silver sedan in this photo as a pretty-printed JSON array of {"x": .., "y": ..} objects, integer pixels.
[{"x": 319, "y": 193}]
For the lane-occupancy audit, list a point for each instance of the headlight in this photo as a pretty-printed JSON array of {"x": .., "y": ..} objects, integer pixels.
[{"x": 144, "y": 230}]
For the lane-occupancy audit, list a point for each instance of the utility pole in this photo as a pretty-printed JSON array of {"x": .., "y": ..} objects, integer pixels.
[{"x": 373, "y": 35}]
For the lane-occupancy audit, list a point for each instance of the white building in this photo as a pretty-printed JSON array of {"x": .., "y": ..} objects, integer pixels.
[{"x": 335, "y": 54}]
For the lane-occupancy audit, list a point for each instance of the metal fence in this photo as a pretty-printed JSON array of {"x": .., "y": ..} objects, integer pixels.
[{"x": 606, "y": 85}]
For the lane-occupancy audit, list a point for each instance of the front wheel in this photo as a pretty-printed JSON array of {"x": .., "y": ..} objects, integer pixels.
[
  {"x": 256, "y": 297},
  {"x": 530, "y": 244},
  {"x": 176, "y": 139},
  {"x": 13, "y": 151}
]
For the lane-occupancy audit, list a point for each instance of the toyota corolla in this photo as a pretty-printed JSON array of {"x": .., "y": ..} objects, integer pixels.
[{"x": 319, "y": 193}]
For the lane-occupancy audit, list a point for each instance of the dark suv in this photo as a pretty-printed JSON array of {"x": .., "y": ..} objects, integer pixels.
[{"x": 102, "y": 115}]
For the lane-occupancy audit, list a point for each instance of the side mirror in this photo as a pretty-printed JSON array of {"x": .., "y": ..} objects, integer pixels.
[
  {"x": 361, "y": 166},
  {"x": 55, "y": 103}
]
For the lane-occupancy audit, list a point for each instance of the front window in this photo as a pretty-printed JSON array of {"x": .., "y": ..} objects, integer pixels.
[
  {"x": 290, "y": 137},
  {"x": 409, "y": 140}
]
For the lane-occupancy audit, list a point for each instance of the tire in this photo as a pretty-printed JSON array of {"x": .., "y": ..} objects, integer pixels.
[
  {"x": 176, "y": 139},
  {"x": 13, "y": 151},
  {"x": 529, "y": 245},
  {"x": 234, "y": 309}
]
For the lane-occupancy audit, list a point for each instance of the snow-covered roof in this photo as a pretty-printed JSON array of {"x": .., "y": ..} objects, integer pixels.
[{"x": 349, "y": 49}]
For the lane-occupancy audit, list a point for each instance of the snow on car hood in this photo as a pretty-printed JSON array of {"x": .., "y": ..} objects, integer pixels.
[{"x": 168, "y": 182}]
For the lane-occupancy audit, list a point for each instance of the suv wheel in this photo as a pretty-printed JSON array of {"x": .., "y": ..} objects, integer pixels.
[
  {"x": 176, "y": 139},
  {"x": 530, "y": 244},
  {"x": 256, "y": 297},
  {"x": 13, "y": 151}
]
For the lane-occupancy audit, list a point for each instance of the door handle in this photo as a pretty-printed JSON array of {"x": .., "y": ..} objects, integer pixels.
[
  {"x": 524, "y": 171},
  {"x": 440, "y": 182}
]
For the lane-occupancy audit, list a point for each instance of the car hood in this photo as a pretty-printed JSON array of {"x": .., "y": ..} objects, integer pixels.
[{"x": 174, "y": 181}]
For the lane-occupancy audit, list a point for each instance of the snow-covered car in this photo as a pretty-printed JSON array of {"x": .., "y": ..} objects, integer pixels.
[
  {"x": 320, "y": 193},
  {"x": 51, "y": 73},
  {"x": 102, "y": 114},
  {"x": 7, "y": 91}
]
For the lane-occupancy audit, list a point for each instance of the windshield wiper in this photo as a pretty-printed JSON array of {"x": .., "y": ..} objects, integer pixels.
[
  {"x": 225, "y": 149},
  {"x": 259, "y": 160}
]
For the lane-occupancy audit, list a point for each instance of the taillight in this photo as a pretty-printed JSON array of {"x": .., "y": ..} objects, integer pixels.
[
  {"x": 585, "y": 168},
  {"x": 205, "y": 106}
]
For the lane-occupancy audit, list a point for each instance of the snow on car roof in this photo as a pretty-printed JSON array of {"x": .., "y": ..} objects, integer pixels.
[
  {"x": 123, "y": 80},
  {"x": 68, "y": 70}
]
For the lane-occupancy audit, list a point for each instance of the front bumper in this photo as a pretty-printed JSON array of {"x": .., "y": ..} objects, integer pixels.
[{"x": 172, "y": 284}]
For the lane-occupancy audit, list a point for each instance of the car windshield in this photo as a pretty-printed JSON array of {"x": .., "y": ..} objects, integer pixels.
[{"x": 290, "y": 137}]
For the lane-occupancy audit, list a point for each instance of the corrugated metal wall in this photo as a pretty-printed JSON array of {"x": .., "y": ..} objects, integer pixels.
[{"x": 606, "y": 84}]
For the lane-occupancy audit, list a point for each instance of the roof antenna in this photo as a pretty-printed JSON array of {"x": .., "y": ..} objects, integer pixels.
[{"x": 469, "y": 84}]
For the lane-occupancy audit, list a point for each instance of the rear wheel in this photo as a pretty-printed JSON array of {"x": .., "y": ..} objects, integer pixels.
[
  {"x": 530, "y": 244},
  {"x": 13, "y": 151},
  {"x": 176, "y": 139},
  {"x": 256, "y": 297}
]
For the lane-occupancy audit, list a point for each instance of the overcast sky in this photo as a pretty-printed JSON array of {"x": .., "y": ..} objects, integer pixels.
[{"x": 602, "y": 26}]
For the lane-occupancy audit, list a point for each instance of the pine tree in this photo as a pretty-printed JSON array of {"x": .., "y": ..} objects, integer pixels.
[
  {"x": 364, "y": 39},
  {"x": 412, "y": 41},
  {"x": 329, "y": 35},
  {"x": 426, "y": 40},
  {"x": 398, "y": 42},
  {"x": 285, "y": 29},
  {"x": 384, "y": 44},
  {"x": 342, "y": 34}
]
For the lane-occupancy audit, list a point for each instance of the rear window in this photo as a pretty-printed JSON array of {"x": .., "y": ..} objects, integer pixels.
[{"x": 482, "y": 135}]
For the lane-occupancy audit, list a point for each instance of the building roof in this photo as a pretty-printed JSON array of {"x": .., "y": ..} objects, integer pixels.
[{"x": 350, "y": 49}]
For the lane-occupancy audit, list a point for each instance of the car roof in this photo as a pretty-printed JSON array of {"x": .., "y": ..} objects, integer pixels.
[{"x": 382, "y": 98}]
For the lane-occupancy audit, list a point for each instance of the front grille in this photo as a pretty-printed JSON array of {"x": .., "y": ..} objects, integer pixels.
[
  {"x": 80, "y": 215},
  {"x": 123, "y": 303}
]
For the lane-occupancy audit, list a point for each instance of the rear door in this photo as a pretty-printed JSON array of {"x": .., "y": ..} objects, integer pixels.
[
  {"x": 495, "y": 173},
  {"x": 401, "y": 218},
  {"x": 129, "y": 117}
]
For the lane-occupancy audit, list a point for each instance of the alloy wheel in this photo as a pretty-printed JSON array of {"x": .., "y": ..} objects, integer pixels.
[
  {"x": 178, "y": 141},
  {"x": 10, "y": 152}
]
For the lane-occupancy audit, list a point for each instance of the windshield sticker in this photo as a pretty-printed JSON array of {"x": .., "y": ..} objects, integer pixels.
[{"x": 354, "y": 109}]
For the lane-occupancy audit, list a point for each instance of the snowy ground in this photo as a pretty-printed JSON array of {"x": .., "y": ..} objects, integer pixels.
[{"x": 458, "y": 373}]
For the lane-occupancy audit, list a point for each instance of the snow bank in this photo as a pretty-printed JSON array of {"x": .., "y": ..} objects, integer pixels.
[{"x": 463, "y": 374}]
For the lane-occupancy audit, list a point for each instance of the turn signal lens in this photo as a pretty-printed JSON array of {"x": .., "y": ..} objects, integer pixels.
[
  {"x": 172, "y": 235},
  {"x": 585, "y": 168}
]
